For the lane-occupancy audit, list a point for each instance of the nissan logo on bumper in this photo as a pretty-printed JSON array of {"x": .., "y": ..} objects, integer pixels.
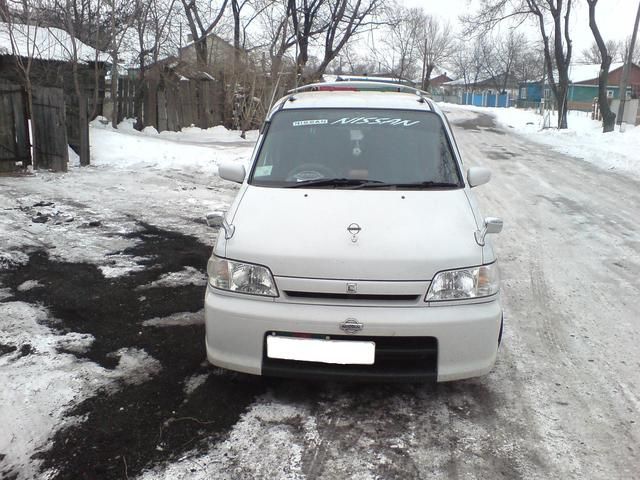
[{"x": 351, "y": 326}]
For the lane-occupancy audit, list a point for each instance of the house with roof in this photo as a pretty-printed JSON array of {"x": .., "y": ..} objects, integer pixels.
[
  {"x": 52, "y": 53},
  {"x": 220, "y": 53},
  {"x": 485, "y": 91},
  {"x": 435, "y": 83},
  {"x": 583, "y": 86},
  {"x": 54, "y": 58}
]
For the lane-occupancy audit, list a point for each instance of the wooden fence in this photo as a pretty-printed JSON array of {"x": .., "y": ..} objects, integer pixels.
[
  {"x": 171, "y": 104},
  {"x": 15, "y": 151},
  {"x": 48, "y": 129},
  {"x": 48, "y": 119},
  {"x": 77, "y": 121}
]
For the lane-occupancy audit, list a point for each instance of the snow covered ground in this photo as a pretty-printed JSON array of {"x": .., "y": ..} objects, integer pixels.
[
  {"x": 85, "y": 215},
  {"x": 138, "y": 399},
  {"x": 619, "y": 151}
]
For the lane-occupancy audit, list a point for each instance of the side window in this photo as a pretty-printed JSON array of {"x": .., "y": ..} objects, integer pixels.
[{"x": 264, "y": 166}]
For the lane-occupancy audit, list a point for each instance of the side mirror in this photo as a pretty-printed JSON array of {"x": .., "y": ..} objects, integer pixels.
[
  {"x": 217, "y": 219},
  {"x": 478, "y": 176},
  {"x": 491, "y": 225},
  {"x": 233, "y": 172}
]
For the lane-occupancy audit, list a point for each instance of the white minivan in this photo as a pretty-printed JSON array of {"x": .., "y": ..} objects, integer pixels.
[{"x": 354, "y": 249}]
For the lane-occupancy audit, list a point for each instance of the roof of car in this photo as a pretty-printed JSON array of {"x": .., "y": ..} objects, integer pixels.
[{"x": 354, "y": 99}]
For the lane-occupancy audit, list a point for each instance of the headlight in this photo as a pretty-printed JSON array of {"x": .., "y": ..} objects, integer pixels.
[
  {"x": 240, "y": 277},
  {"x": 474, "y": 282}
]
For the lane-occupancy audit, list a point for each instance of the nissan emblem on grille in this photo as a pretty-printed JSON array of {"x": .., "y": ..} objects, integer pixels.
[
  {"x": 351, "y": 326},
  {"x": 354, "y": 230}
]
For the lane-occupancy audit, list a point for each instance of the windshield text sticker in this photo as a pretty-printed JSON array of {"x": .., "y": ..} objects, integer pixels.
[
  {"x": 375, "y": 121},
  {"x": 301, "y": 123}
]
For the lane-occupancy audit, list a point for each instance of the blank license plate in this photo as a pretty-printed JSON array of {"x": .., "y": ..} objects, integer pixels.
[{"x": 342, "y": 352}]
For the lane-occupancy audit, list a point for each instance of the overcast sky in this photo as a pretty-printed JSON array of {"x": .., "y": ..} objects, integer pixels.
[{"x": 615, "y": 18}]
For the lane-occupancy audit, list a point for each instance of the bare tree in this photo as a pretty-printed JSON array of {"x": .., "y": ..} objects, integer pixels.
[
  {"x": 307, "y": 21},
  {"x": 403, "y": 42},
  {"x": 201, "y": 27},
  {"x": 333, "y": 22},
  {"x": 347, "y": 18},
  {"x": 557, "y": 45},
  {"x": 468, "y": 61},
  {"x": 529, "y": 64},
  {"x": 150, "y": 25},
  {"x": 120, "y": 17},
  {"x": 593, "y": 55},
  {"x": 435, "y": 47},
  {"x": 635, "y": 56},
  {"x": 608, "y": 117},
  {"x": 500, "y": 56},
  {"x": 242, "y": 22}
]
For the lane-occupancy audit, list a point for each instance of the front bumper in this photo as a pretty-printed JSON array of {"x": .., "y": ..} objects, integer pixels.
[{"x": 466, "y": 335}]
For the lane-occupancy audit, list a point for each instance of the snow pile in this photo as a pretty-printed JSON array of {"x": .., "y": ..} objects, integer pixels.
[
  {"x": 268, "y": 431},
  {"x": 583, "y": 139},
  {"x": 187, "y": 276},
  {"x": 188, "y": 150},
  {"x": 176, "y": 320},
  {"x": 40, "y": 383},
  {"x": 218, "y": 134}
]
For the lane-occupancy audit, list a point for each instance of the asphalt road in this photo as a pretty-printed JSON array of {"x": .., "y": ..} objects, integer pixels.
[{"x": 562, "y": 401}]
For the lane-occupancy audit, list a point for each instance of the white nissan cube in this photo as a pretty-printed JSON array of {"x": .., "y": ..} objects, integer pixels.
[{"x": 354, "y": 249}]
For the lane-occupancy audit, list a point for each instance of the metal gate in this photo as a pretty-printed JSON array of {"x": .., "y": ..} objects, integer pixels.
[{"x": 15, "y": 148}]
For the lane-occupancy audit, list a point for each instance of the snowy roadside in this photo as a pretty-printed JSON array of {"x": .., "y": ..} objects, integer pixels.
[
  {"x": 617, "y": 151},
  {"x": 88, "y": 215}
]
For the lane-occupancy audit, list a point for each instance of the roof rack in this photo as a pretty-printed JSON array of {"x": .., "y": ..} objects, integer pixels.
[{"x": 357, "y": 85}]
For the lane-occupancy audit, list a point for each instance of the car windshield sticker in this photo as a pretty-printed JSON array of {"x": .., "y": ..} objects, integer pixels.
[
  {"x": 375, "y": 121},
  {"x": 301, "y": 123},
  {"x": 263, "y": 171}
]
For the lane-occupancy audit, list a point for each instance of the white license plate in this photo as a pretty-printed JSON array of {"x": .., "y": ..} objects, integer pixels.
[{"x": 342, "y": 352}]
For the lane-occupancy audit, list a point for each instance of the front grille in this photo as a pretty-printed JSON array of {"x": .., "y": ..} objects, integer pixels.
[
  {"x": 397, "y": 359},
  {"x": 352, "y": 296}
]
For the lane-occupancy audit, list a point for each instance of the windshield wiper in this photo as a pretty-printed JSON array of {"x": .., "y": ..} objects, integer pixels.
[
  {"x": 334, "y": 182},
  {"x": 400, "y": 186}
]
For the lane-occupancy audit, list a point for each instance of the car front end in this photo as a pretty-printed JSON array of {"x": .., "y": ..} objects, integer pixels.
[{"x": 337, "y": 263}]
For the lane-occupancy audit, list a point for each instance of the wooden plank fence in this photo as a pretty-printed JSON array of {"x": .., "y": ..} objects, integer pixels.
[
  {"x": 57, "y": 120},
  {"x": 15, "y": 151},
  {"x": 173, "y": 105},
  {"x": 77, "y": 121},
  {"x": 49, "y": 129}
]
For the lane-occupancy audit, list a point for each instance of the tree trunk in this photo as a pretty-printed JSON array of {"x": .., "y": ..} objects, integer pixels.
[
  {"x": 114, "y": 90},
  {"x": 608, "y": 117},
  {"x": 138, "y": 100},
  {"x": 29, "y": 88},
  {"x": 563, "y": 91},
  {"x": 426, "y": 80}
]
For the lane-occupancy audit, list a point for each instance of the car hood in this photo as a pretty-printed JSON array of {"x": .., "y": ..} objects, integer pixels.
[{"x": 405, "y": 235}]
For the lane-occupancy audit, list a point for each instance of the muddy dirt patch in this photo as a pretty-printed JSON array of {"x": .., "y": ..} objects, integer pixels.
[
  {"x": 123, "y": 430},
  {"x": 482, "y": 122}
]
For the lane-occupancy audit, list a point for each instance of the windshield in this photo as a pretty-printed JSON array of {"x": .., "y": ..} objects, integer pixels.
[{"x": 349, "y": 148}]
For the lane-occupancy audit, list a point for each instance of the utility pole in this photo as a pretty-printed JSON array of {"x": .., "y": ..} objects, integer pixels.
[{"x": 627, "y": 67}]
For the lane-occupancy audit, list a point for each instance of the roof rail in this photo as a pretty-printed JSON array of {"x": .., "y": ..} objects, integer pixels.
[{"x": 347, "y": 84}]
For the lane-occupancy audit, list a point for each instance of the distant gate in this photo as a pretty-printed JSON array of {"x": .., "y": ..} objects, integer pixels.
[
  {"x": 486, "y": 99},
  {"x": 15, "y": 151}
]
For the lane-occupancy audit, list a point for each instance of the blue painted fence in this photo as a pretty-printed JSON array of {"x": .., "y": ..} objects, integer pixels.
[{"x": 487, "y": 99}]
